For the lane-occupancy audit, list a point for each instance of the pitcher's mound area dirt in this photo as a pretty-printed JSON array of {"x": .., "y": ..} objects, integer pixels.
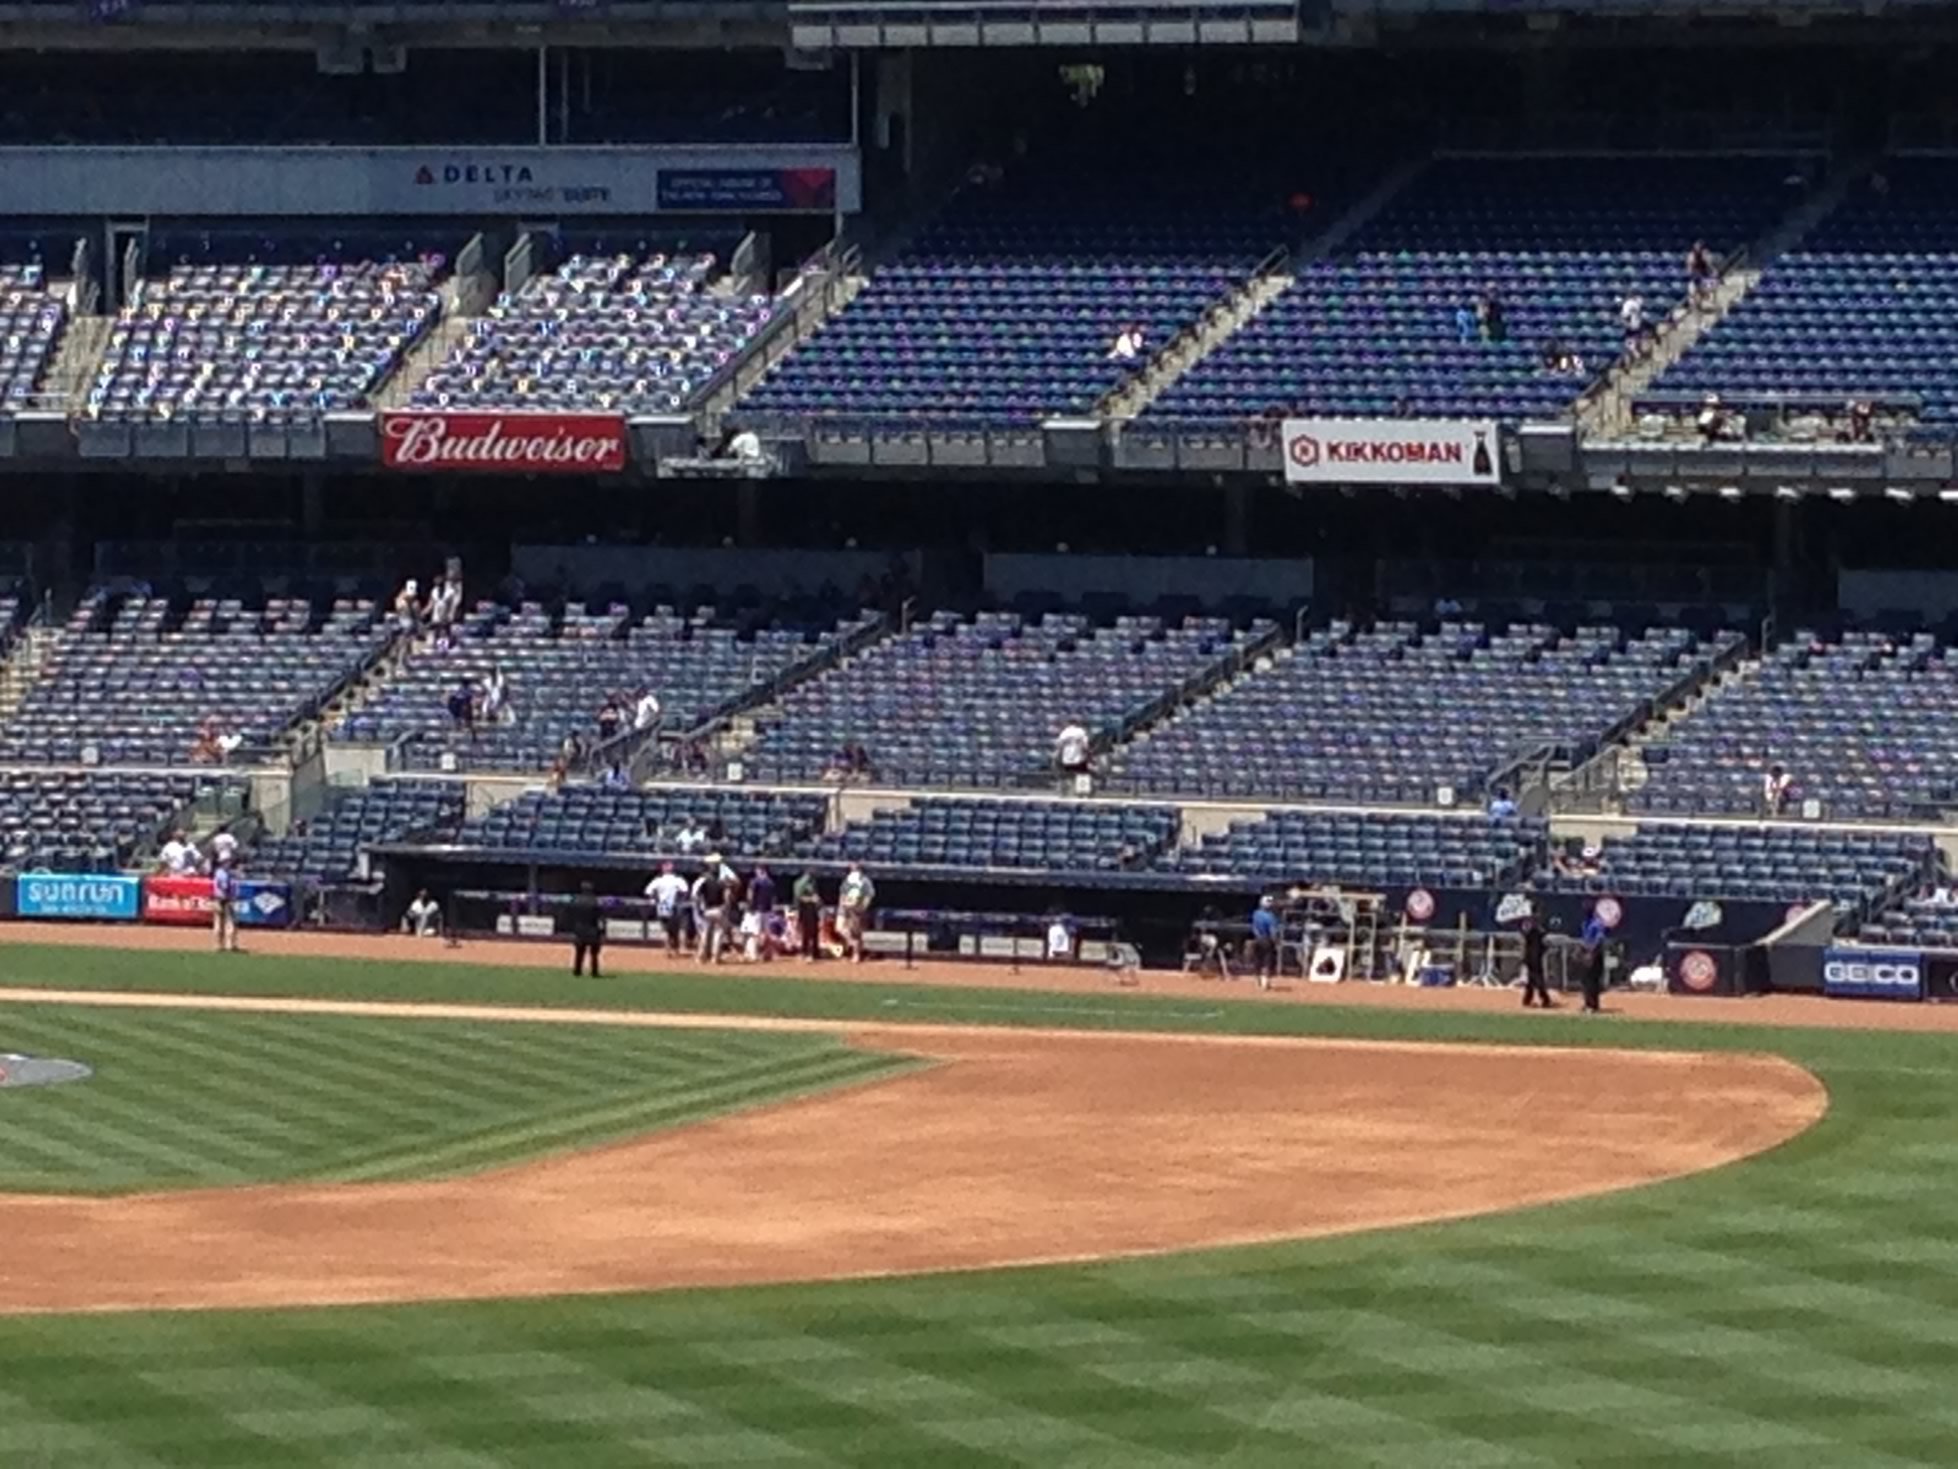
[{"x": 1013, "y": 1148}]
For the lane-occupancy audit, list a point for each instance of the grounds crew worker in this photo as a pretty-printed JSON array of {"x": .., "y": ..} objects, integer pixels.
[{"x": 586, "y": 932}]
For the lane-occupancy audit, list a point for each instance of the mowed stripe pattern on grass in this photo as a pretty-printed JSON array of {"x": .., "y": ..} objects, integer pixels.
[
  {"x": 1798, "y": 1310},
  {"x": 182, "y": 1099}
]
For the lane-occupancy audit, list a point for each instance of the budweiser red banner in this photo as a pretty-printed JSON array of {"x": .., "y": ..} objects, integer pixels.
[{"x": 505, "y": 443}]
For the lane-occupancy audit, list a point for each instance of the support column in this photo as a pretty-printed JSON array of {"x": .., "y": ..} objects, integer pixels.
[
  {"x": 747, "y": 513},
  {"x": 1237, "y": 520},
  {"x": 312, "y": 504}
]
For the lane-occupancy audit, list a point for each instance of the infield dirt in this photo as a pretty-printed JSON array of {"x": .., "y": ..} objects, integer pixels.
[{"x": 1009, "y": 1147}]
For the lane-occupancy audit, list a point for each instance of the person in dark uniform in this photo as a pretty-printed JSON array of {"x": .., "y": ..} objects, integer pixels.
[
  {"x": 1593, "y": 941},
  {"x": 587, "y": 933},
  {"x": 1533, "y": 985}
]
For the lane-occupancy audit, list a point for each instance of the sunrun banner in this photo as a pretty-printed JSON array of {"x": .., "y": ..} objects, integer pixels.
[
  {"x": 398, "y": 182},
  {"x": 72, "y": 895},
  {"x": 1392, "y": 451}
]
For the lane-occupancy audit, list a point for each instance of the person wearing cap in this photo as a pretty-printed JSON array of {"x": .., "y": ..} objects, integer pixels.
[
  {"x": 853, "y": 909},
  {"x": 668, "y": 891},
  {"x": 224, "y": 907},
  {"x": 710, "y": 911},
  {"x": 586, "y": 929},
  {"x": 1593, "y": 939},
  {"x": 1534, "y": 987},
  {"x": 1264, "y": 940}
]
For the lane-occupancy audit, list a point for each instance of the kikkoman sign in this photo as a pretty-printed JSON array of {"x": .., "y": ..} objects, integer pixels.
[
  {"x": 1377, "y": 451},
  {"x": 504, "y": 443}
]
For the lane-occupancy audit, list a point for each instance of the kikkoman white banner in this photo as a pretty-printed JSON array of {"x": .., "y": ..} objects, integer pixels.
[{"x": 1392, "y": 451}]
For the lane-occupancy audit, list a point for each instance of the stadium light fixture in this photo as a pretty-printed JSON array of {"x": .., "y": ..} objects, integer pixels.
[
  {"x": 1842, "y": 494},
  {"x": 1950, "y": 497},
  {"x": 1901, "y": 495},
  {"x": 1730, "y": 493},
  {"x": 1676, "y": 493},
  {"x": 1787, "y": 492}
]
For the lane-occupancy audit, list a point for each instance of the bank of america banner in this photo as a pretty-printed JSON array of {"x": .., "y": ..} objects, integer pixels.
[{"x": 1392, "y": 451}]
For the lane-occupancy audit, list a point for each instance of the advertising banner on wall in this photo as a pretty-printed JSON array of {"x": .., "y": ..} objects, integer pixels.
[
  {"x": 763, "y": 190},
  {"x": 1873, "y": 974},
  {"x": 188, "y": 901},
  {"x": 399, "y": 182},
  {"x": 70, "y": 895},
  {"x": 504, "y": 443},
  {"x": 1392, "y": 451}
]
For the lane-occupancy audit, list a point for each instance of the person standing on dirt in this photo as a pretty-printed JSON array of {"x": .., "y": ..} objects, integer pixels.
[
  {"x": 1264, "y": 939},
  {"x": 224, "y": 907},
  {"x": 668, "y": 892},
  {"x": 808, "y": 916},
  {"x": 710, "y": 912},
  {"x": 1593, "y": 940},
  {"x": 587, "y": 933},
  {"x": 1533, "y": 984}
]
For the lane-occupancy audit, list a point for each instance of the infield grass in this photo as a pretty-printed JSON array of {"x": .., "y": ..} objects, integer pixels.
[
  {"x": 1800, "y": 1309},
  {"x": 183, "y": 1099}
]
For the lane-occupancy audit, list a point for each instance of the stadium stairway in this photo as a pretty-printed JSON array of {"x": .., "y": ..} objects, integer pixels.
[
  {"x": 1620, "y": 767},
  {"x": 423, "y": 358},
  {"x": 77, "y": 359},
  {"x": 1225, "y": 319},
  {"x": 1606, "y": 411},
  {"x": 833, "y": 280},
  {"x": 23, "y": 665}
]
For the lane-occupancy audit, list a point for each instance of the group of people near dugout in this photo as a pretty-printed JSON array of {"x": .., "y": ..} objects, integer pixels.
[{"x": 717, "y": 914}]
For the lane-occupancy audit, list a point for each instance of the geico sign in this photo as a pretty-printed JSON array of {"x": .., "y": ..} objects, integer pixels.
[{"x": 1877, "y": 976}]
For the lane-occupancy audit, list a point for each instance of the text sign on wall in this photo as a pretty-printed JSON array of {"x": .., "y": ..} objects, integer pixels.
[
  {"x": 397, "y": 182},
  {"x": 1397, "y": 451},
  {"x": 507, "y": 443}
]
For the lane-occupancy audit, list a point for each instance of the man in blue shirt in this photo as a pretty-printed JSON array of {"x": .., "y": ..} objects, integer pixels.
[
  {"x": 1264, "y": 940},
  {"x": 1593, "y": 940},
  {"x": 224, "y": 907}
]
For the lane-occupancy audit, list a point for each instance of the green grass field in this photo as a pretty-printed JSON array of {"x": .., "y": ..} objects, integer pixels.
[
  {"x": 183, "y": 1099},
  {"x": 1800, "y": 1309}
]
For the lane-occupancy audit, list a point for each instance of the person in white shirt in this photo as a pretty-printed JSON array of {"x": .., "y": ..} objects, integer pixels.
[
  {"x": 1631, "y": 315},
  {"x": 179, "y": 856},
  {"x": 224, "y": 848},
  {"x": 406, "y": 611},
  {"x": 445, "y": 603},
  {"x": 1128, "y": 345},
  {"x": 690, "y": 838},
  {"x": 1060, "y": 941},
  {"x": 645, "y": 714},
  {"x": 1071, "y": 749},
  {"x": 424, "y": 916},
  {"x": 853, "y": 908},
  {"x": 667, "y": 891},
  {"x": 495, "y": 691},
  {"x": 1775, "y": 785}
]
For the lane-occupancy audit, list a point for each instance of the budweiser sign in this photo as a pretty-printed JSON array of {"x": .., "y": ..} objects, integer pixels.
[{"x": 513, "y": 443}]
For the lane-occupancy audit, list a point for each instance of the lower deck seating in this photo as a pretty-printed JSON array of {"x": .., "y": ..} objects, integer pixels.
[
  {"x": 1051, "y": 836},
  {"x": 94, "y": 821},
  {"x": 328, "y": 846},
  {"x": 1367, "y": 848},
  {"x": 653, "y": 824},
  {"x": 1747, "y": 863}
]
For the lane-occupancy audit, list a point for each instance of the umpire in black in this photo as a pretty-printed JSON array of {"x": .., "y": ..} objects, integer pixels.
[
  {"x": 586, "y": 929},
  {"x": 1533, "y": 983}
]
